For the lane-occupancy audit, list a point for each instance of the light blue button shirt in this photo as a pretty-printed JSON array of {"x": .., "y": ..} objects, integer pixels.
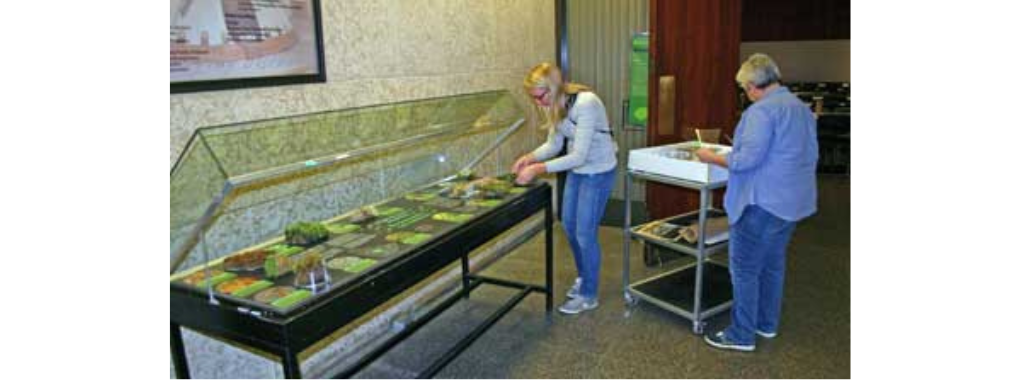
[{"x": 774, "y": 158}]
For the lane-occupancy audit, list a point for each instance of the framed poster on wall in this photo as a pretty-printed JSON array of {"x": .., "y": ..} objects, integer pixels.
[{"x": 229, "y": 44}]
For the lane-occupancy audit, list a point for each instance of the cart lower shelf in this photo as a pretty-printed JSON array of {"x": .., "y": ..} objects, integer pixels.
[{"x": 674, "y": 291}]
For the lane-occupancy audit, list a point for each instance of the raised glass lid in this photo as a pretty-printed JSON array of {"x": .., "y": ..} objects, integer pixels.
[{"x": 238, "y": 185}]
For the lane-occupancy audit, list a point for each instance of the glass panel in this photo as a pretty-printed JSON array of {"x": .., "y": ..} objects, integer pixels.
[
  {"x": 254, "y": 147},
  {"x": 262, "y": 213},
  {"x": 313, "y": 168},
  {"x": 196, "y": 180}
]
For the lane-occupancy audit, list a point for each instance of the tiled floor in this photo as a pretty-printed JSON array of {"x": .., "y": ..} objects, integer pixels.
[{"x": 813, "y": 341}]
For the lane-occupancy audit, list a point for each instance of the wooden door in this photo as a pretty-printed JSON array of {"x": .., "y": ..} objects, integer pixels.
[{"x": 694, "y": 49}]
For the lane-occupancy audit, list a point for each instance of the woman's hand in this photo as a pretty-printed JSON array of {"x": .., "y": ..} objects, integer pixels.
[
  {"x": 527, "y": 174},
  {"x": 709, "y": 156},
  {"x": 523, "y": 162}
]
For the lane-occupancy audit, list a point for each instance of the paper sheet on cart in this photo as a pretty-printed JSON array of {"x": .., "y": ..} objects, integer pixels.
[{"x": 717, "y": 238}]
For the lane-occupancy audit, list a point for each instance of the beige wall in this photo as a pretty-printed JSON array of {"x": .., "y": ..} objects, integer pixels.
[
  {"x": 806, "y": 61},
  {"x": 386, "y": 51}
]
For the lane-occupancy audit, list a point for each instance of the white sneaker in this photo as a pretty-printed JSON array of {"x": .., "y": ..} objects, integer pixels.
[
  {"x": 574, "y": 292},
  {"x": 765, "y": 334},
  {"x": 578, "y": 305}
]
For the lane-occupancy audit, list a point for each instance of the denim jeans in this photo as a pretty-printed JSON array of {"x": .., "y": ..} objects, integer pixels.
[
  {"x": 757, "y": 264},
  {"x": 583, "y": 206}
]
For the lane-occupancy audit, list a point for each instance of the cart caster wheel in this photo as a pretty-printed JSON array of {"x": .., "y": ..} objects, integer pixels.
[{"x": 630, "y": 300}]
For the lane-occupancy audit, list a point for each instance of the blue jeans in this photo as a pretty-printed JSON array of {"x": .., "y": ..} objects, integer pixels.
[
  {"x": 757, "y": 264},
  {"x": 583, "y": 206}
]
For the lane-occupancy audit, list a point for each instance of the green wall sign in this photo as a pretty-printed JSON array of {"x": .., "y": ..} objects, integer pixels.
[{"x": 639, "y": 61}]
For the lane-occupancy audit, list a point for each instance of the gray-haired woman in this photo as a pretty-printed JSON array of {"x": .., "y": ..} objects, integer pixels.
[{"x": 772, "y": 185}]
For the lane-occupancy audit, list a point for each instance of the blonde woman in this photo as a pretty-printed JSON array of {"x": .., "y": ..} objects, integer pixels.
[{"x": 572, "y": 113}]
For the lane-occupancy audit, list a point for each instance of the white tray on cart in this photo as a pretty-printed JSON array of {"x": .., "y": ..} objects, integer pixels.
[{"x": 678, "y": 161}]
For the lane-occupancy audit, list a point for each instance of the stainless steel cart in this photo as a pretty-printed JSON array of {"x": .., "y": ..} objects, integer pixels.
[{"x": 695, "y": 291}]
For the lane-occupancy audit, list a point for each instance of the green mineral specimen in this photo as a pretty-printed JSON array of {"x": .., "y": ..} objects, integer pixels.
[
  {"x": 416, "y": 238},
  {"x": 291, "y": 299},
  {"x": 484, "y": 202},
  {"x": 305, "y": 234},
  {"x": 420, "y": 197},
  {"x": 351, "y": 264},
  {"x": 388, "y": 211},
  {"x": 215, "y": 280},
  {"x": 452, "y": 217},
  {"x": 252, "y": 288},
  {"x": 284, "y": 249},
  {"x": 341, "y": 229}
]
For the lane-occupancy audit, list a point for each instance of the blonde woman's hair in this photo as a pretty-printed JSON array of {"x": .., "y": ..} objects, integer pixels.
[{"x": 547, "y": 76}]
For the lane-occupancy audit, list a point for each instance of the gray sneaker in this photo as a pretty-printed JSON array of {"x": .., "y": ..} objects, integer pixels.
[
  {"x": 574, "y": 292},
  {"x": 578, "y": 305}
]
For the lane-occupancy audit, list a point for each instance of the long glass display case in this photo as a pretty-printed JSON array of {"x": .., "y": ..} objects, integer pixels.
[
  {"x": 312, "y": 258},
  {"x": 284, "y": 230}
]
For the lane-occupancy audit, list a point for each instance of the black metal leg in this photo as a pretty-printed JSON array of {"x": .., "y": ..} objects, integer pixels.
[
  {"x": 178, "y": 353},
  {"x": 290, "y": 362},
  {"x": 548, "y": 262},
  {"x": 465, "y": 276},
  {"x": 468, "y": 340},
  {"x": 381, "y": 349}
]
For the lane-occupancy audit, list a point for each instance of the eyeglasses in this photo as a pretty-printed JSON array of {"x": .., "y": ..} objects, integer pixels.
[{"x": 541, "y": 96}]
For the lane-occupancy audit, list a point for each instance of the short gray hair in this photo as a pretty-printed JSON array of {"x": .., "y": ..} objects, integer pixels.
[{"x": 759, "y": 70}]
